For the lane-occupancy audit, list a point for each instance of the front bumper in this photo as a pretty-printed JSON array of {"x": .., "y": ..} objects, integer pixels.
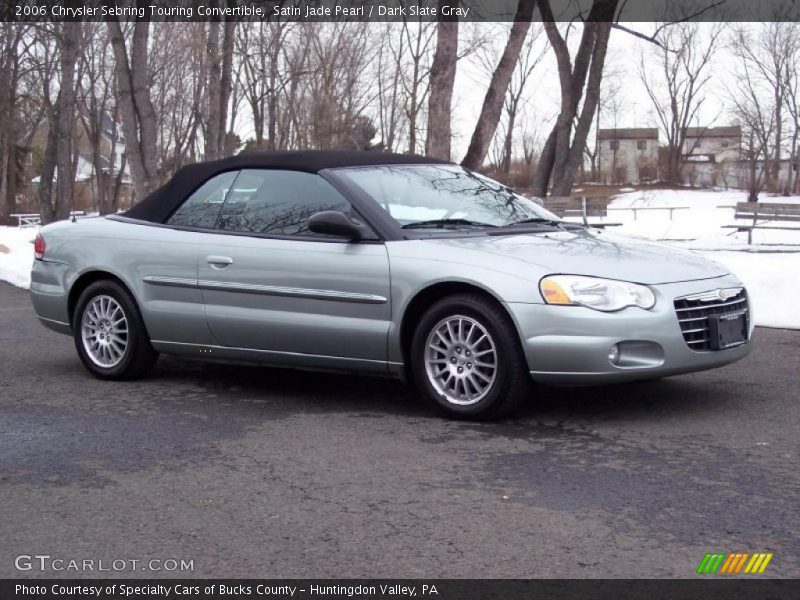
[{"x": 569, "y": 345}]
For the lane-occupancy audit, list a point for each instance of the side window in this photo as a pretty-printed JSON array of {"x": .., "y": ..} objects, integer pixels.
[
  {"x": 614, "y": 145},
  {"x": 202, "y": 208},
  {"x": 278, "y": 202}
]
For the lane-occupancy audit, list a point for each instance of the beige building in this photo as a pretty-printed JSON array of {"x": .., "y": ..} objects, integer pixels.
[
  {"x": 628, "y": 155},
  {"x": 711, "y": 156}
]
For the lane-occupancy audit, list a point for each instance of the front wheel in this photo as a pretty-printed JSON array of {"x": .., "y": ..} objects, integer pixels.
[
  {"x": 110, "y": 336},
  {"x": 466, "y": 358}
]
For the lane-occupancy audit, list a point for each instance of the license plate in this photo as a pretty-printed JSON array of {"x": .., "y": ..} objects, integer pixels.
[{"x": 727, "y": 331}]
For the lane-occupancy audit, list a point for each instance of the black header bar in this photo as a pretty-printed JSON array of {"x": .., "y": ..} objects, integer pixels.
[
  {"x": 389, "y": 10},
  {"x": 400, "y": 589}
]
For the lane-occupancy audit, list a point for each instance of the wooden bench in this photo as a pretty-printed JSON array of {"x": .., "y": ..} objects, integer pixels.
[
  {"x": 580, "y": 207},
  {"x": 763, "y": 216}
]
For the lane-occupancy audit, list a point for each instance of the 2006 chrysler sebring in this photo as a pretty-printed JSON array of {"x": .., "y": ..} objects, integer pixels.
[{"x": 381, "y": 263}]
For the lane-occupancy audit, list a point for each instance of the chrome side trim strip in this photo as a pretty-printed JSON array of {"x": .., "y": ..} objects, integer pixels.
[
  {"x": 53, "y": 321},
  {"x": 171, "y": 281},
  {"x": 272, "y": 352},
  {"x": 274, "y": 290}
]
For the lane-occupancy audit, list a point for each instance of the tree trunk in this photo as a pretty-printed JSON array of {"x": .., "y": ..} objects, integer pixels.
[
  {"x": 58, "y": 151},
  {"x": 508, "y": 144},
  {"x": 101, "y": 193},
  {"x": 752, "y": 188},
  {"x": 11, "y": 180},
  {"x": 560, "y": 159},
  {"x": 498, "y": 87},
  {"x": 226, "y": 85},
  {"x": 70, "y": 38},
  {"x": 443, "y": 74},
  {"x": 563, "y": 185},
  {"x": 9, "y": 126},
  {"x": 214, "y": 66},
  {"x": 776, "y": 168},
  {"x": 45, "y": 191},
  {"x": 6, "y": 173},
  {"x": 6, "y": 141},
  {"x": 140, "y": 78},
  {"x": 544, "y": 168},
  {"x": 137, "y": 113}
]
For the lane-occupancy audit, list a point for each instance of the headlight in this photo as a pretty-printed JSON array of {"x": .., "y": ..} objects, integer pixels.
[{"x": 600, "y": 294}]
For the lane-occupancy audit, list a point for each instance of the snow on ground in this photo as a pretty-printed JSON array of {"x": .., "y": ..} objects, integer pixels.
[
  {"x": 16, "y": 255},
  {"x": 698, "y": 226},
  {"x": 770, "y": 267},
  {"x": 772, "y": 281}
]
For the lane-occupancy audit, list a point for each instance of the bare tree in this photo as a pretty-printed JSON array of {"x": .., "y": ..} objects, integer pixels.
[
  {"x": 442, "y": 79},
  {"x": 498, "y": 86},
  {"x": 753, "y": 106},
  {"x": 414, "y": 64},
  {"x": 389, "y": 74},
  {"x": 97, "y": 113},
  {"x": 683, "y": 58},
  {"x": 58, "y": 154},
  {"x": 219, "y": 47},
  {"x": 563, "y": 150},
  {"x": 792, "y": 95},
  {"x": 265, "y": 75},
  {"x": 530, "y": 58},
  {"x": 137, "y": 113},
  {"x": 767, "y": 54},
  {"x": 13, "y": 52},
  {"x": 609, "y": 109}
]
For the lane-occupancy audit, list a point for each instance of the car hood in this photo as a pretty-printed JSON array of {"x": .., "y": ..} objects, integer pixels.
[{"x": 596, "y": 253}]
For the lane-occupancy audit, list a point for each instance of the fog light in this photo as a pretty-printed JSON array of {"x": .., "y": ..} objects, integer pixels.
[{"x": 613, "y": 354}]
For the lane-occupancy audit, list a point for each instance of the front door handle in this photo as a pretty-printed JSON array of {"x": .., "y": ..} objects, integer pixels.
[{"x": 219, "y": 262}]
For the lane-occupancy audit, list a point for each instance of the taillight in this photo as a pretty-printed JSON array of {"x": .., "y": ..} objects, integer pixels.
[{"x": 39, "y": 246}]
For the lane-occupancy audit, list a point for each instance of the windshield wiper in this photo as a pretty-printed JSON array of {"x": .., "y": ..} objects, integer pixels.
[
  {"x": 442, "y": 223},
  {"x": 537, "y": 221}
]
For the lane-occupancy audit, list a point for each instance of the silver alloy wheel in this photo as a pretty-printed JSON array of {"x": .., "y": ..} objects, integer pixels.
[
  {"x": 104, "y": 331},
  {"x": 461, "y": 360}
]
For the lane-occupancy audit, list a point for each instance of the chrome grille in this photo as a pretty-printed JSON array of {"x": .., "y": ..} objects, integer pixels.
[{"x": 693, "y": 313}]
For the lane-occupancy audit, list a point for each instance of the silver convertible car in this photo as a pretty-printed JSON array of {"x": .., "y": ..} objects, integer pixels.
[{"x": 386, "y": 264}]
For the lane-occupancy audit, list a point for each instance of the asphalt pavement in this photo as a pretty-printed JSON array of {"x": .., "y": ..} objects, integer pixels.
[{"x": 256, "y": 472}]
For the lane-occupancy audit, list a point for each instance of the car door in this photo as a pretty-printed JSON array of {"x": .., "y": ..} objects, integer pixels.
[
  {"x": 270, "y": 285},
  {"x": 165, "y": 261}
]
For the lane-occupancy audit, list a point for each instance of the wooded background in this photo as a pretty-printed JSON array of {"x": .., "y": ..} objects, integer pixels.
[{"x": 181, "y": 92}]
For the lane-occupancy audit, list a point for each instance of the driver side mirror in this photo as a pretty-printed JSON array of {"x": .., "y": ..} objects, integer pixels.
[{"x": 331, "y": 222}]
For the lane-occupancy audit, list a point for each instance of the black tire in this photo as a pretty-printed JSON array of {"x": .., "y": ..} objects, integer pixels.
[
  {"x": 512, "y": 379},
  {"x": 138, "y": 356}
]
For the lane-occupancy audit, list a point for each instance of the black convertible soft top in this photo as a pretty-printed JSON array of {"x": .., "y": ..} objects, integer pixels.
[{"x": 160, "y": 204}]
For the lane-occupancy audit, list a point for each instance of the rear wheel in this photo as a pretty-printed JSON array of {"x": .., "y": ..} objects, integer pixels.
[
  {"x": 110, "y": 336},
  {"x": 466, "y": 358}
]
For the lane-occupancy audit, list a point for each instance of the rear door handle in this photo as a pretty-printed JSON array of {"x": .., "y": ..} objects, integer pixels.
[{"x": 219, "y": 262}]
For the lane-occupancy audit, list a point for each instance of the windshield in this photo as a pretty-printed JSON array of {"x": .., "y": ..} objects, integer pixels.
[{"x": 444, "y": 197}]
